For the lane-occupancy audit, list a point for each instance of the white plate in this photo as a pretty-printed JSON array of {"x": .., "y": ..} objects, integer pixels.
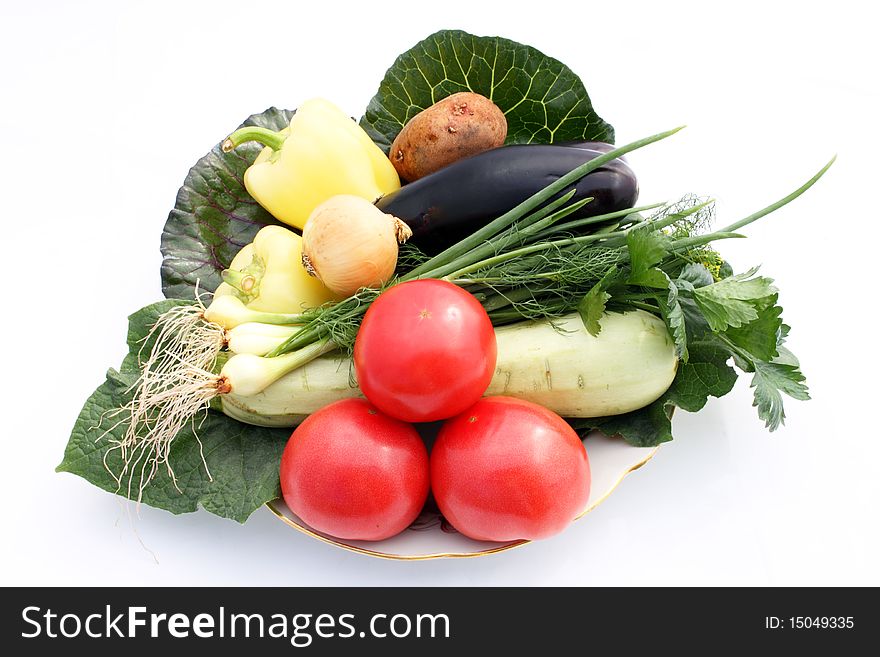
[{"x": 430, "y": 537}]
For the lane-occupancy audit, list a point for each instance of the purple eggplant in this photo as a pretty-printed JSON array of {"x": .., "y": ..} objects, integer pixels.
[{"x": 444, "y": 207}]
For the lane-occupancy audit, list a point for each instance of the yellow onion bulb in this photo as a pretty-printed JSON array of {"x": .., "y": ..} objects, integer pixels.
[{"x": 349, "y": 243}]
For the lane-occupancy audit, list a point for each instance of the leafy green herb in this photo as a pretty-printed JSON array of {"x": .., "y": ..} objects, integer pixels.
[
  {"x": 734, "y": 301},
  {"x": 242, "y": 460},
  {"x": 592, "y": 306},
  {"x": 542, "y": 99},
  {"x": 673, "y": 313},
  {"x": 759, "y": 337},
  {"x": 646, "y": 248},
  {"x": 695, "y": 275},
  {"x": 770, "y": 380},
  {"x": 775, "y": 369},
  {"x": 214, "y": 216}
]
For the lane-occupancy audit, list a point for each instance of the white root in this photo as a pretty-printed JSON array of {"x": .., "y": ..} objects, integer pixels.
[{"x": 176, "y": 384}]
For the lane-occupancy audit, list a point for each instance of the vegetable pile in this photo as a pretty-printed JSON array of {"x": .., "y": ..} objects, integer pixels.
[{"x": 471, "y": 252}]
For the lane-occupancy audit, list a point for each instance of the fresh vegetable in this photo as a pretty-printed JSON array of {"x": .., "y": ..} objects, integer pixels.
[
  {"x": 525, "y": 264},
  {"x": 542, "y": 99},
  {"x": 258, "y": 339},
  {"x": 451, "y": 129},
  {"x": 353, "y": 472},
  {"x": 349, "y": 244},
  {"x": 450, "y": 204},
  {"x": 558, "y": 364},
  {"x": 267, "y": 276},
  {"x": 555, "y": 363},
  {"x": 249, "y": 374},
  {"x": 296, "y": 395},
  {"x": 265, "y": 283},
  {"x": 507, "y": 469},
  {"x": 425, "y": 351},
  {"x": 320, "y": 154}
]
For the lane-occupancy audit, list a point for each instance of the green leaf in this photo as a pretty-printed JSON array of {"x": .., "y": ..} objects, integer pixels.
[
  {"x": 645, "y": 427},
  {"x": 769, "y": 381},
  {"x": 592, "y": 306},
  {"x": 772, "y": 376},
  {"x": 696, "y": 274},
  {"x": 675, "y": 320},
  {"x": 542, "y": 99},
  {"x": 760, "y": 336},
  {"x": 653, "y": 277},
  {"x": 214, "y": 216},
  {"x": 705, "y": 374},
  {"x": 734, "y": 301},
  {"x": 646, "y": 248},
  {"x": 784, "y": 356},
  {"x": 694, "y": 321},
  {"x": 243, "y": 460}
]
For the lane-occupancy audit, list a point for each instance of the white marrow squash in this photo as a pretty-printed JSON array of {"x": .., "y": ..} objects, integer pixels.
[
  {"x": 627, "y": 366},
  {"x": 296, "y": 395},
  {"x": 560, "y": 365}
]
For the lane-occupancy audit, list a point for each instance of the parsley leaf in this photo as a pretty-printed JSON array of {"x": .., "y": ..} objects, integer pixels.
[
  {"x": 759, "y": 337},
  {"x": 696, "y": 274},
  {"x": 734, "y": 301},
  {"x": 646, "y": 248},
  {"x": 758, "y": 348},
  {"x": 652, "y": 277},
  {"x": 770, "y": 380},
  {"x": 592, "y": 306},
  {"x": 673, "y": 313}
]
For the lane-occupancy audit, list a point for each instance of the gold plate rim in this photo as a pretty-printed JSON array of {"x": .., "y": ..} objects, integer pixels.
[{"x": 447, "y": 555}]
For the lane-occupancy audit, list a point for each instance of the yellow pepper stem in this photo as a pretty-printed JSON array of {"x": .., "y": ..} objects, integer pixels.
[
  {"x": 242, "y": 281},
  {"x": 266, "y": 137}
]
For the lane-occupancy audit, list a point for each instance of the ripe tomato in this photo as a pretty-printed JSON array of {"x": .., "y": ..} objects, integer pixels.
[
  {"x": 425, "y": 351},
  {"x": 353, "y": 472},
  {"x": 508, "y": 469}
]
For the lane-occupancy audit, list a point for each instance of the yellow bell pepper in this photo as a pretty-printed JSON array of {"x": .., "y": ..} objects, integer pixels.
[
  {"x": 321, "y": 154},
  {"x": 267, "y": 275}
]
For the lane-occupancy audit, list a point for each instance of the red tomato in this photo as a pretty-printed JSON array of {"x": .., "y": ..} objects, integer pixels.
[
  {"x": 508, "y": 469},
  {"x": 425, "y": 351},
  {"x": 355, "y": 473}
]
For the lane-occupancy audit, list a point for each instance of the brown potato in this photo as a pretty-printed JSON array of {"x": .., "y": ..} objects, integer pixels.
[{"x": 460, "y": 125}]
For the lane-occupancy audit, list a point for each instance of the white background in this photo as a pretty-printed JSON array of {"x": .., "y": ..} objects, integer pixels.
[{"x": 106, "y": 105}]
